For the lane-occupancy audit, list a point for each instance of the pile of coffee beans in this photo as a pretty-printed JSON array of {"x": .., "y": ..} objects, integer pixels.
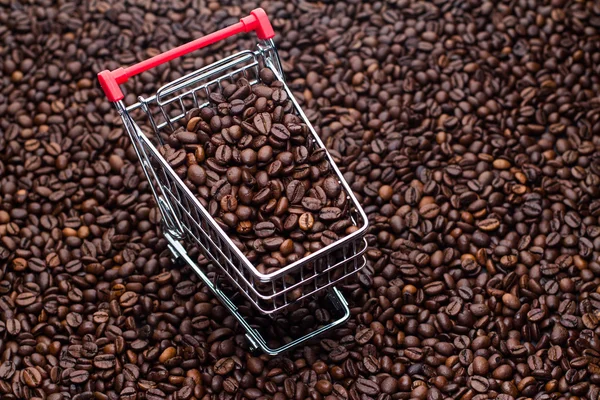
[
  {"x": 253, "y": 164},
  {"x": 468, "y": 130}
]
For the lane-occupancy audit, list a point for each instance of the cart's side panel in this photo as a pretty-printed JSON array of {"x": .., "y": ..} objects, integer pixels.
[{"x": 269, "y": 297}]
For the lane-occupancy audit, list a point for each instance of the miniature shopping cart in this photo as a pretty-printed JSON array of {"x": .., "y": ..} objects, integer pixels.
[{"x": 186, "y": 222}]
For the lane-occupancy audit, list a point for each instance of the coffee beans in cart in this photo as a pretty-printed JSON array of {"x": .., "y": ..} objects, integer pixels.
[
  {"x": 237, "y": 169},
  {"x": 272, "y": 190}
]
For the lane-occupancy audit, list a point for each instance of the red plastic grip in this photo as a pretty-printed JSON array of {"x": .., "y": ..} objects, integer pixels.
[{"x": 257, "y": 21}]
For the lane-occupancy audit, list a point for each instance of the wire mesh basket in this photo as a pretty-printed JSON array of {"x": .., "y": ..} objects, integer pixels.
[{"x": 186, "y": 220}]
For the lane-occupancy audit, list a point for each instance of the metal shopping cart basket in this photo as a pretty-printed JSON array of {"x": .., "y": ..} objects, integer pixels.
[{"x": 186, "y": 222}]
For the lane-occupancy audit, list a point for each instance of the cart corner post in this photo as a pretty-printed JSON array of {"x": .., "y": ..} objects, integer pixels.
[
  {"x": 110, "y": 81},
  {"x": 259, "y": 21}
]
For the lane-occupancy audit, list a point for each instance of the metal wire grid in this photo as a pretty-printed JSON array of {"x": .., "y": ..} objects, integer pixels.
[
  {"x": 176, "y": 98},
  {"x": 255, "y": 338},
  {"x": 187, "y": 90},
  {"x": 268, "y": 297},
  {"x": 190, "y": 220}
]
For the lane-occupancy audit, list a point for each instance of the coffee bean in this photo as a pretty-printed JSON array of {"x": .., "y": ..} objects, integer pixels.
[
  {"x": 324, "y": 387},
  {"x": 196, "y": 174},
  {"x": 248, "y": 157},
  {"x": 230, "y": 385},
  {"x": 329, "y": 237},
  {"x": 312, "y": 204},
  {"x": 78, "y": 377},
  {"x": 279, "y": 95},
  {"x": 429, "y": 211},
  {"x": 536, "y": 315},
  {"x": 280, "y": 132},
  {"x": 479, "y": 384},
  {"x": 13, "y": 326},
  {"x": 31, "y": 377},
  {"x": 7, "y": 370},
  {"x": 386, "y": 192},
  {"x": 306, "y": 221},
  {"x": 364, "y": 336},
  {"x": 104, "y": 361},
  {"x": 511, "y": 301},
  {"x": 155, "y": 394},
  {"x": 262, "y": 196},
  {"x": 295, "y": 191},
  {"x": 263, "y": 123},
  {"x": 74, "y": 320},
  {"x": 330, "y": 213},
  {"x": 371, "y": 364},
  {"x": 338, "y": 354},
  {"x": 175, "y": 158},
  {"x": 224, "y": 366},
  {"x": 480, "y": 366},
  {"x": 25, "y": 299},
  {"x": 502, "y": 372},
  {"x": 267, "y": 76},
  {"x": 414, "y": 353},
  {"x": 489, "y": 225},
  {"x": 255, "y": 365},
  {"x": 131, "y": 372},
  {"x": 128, "y": 299},
  {"x": 264, "y": 229},
  {"x": 367, "y": 387},
  {"x": 223, "y": 154},
  {"x": 332, "y": 187}
]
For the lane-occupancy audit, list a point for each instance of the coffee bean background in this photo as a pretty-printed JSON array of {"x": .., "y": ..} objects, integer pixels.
[{"x": 469, "y": 131}]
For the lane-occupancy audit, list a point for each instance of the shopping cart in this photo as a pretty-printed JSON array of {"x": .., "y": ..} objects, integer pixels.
[{"x": 186, "y": 222}]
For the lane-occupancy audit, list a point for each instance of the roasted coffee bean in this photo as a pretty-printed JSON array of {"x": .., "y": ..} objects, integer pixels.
[
  {"x": 264, "y": 229},
  {"x": 367, "y": 387},
  {"x": 295, "y": 191},
  {"x": 312, "y": 204},
  {"x": 224, "y": 366},
  {"x": 328, "y": 237},
  {"x": 338, "y": 354},
  {"x": 175, "y": 158},
  {"x": 25, "y": 299},
  {"x": 280, "y": 132},
  {"x": 330, "y": 214},
  {"x": 32, "y": 377},
  {"x": 364, "y": 336},
  {"x": 279, "y": 95},
  {"x": 79, "y": 377},
  {"x": 7, "y": 370},
  {"x": 196, "y": 174},
  {"x": 223, "y": 155},
  {"x": 306, "y": 221},
  {"x": 263, "y": 123},
  {"x": 480, "y": 384},
  {"x": 264, "y": 169},
  {"x": 104, "y": 361}
]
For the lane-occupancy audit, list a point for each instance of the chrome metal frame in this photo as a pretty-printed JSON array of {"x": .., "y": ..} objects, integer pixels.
[
  {"x": 185, "y": 218},
  {"x": 340, "y": 306}
]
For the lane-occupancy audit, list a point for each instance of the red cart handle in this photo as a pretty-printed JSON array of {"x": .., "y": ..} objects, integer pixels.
[{"x": 256, "y": 21}]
